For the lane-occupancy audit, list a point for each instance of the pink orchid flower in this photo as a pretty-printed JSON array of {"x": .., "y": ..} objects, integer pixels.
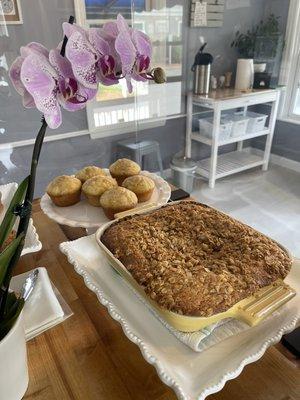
[
  {"x": 134, "y": 48},
  {"x": 92, "y": 55},
  {"x": 15, "y": 71},
  {"x": 46, "y": 81},
  {"x": 49, "y": 81},
  {"x": 71, "y": 94}
]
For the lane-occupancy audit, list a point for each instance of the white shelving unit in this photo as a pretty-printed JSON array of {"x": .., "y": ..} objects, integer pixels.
[{"x": 217, "y": 166}]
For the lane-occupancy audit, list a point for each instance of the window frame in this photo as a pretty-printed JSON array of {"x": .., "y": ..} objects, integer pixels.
[{"x": 289, "y": 78}]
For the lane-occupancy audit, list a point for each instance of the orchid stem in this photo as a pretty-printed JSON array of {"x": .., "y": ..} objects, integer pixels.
[{"x": 27, "y": 204}]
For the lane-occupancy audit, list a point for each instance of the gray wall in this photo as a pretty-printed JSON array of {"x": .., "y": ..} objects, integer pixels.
[{"x": 286, "y": 142}]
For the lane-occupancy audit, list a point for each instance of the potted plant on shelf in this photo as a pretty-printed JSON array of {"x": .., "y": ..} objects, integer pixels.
[
  {"x": 49, "y": 80},
  {"x": 247, "y": 44},
  {"x": 261, "y": 46}
]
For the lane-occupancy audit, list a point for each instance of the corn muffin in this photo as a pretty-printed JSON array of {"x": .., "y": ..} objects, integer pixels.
[
  {"x": 64, "y": 190},
  {"x": 94, "y": 187},
  {"x": 194, "y": 260},
  {"x": 116, "y": 200},
  {"x": 89, "y": 172},
  {"x": 123, "y": 168},
  {"x": 141, "y": 185}
]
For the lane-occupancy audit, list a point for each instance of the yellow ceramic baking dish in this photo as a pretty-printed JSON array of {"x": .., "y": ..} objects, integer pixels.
[{"x": 251, "y": 310}]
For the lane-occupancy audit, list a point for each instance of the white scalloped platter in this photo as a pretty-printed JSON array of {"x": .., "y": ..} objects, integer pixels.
[
  {"x": 84, "y": 215},
  {"x": 32, "y": 242},
  {"x": 193, "y": 376}
]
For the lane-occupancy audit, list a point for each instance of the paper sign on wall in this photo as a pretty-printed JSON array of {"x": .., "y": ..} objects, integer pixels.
[
  {"x": 207, "y": 14},
  {"x": 200, "y": 16}
]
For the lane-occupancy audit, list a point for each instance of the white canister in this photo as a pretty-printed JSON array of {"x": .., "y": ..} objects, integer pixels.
[
  {"x": 13, "y": 363},
  {"x": 244, "y": 74}
]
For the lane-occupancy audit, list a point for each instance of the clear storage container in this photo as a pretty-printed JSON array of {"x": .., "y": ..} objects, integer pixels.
[
  {"x": 240, "y": 124},
  {"x": 206, "y": 128},
  {"x": 256, "y": 122}
]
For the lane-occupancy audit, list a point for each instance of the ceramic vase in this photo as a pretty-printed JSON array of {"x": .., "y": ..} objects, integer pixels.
[{"x": 13, "y": 363}]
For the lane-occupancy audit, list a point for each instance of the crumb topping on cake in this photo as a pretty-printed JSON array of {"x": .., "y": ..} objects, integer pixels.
[
  {"x": 118, "y": 197},
  {"x": 97, "y": 185},
  {"x": 195, "y": 260},
  {"x": 62, "y": 185},
  {"x": 124, "y": 167},
  {"x": 139, "y": 184}
]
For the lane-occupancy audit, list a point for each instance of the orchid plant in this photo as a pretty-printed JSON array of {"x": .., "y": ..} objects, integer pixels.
[
  {"x": 49, "y": 80},
  {"x": 67, "y": 76}
]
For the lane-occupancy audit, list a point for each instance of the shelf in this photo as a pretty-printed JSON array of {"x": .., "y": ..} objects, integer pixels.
[
  {"x": 219, "y": 101},
  {"x": 257, "y": 95},
  {"x": 230, "y": 163},
  {"x": 203, "y": 139}
]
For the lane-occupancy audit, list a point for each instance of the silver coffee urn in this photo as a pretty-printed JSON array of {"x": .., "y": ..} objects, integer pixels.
[{"x": 201, "y": 69}]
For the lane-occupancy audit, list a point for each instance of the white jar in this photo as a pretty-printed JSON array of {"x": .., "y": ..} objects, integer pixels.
[
  {"x": 13, "y": 363},
  {"x": 244, "y": 74}
]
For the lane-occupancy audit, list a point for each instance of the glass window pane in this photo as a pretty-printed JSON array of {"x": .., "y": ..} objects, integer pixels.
[{"x": 164, "y": 26}]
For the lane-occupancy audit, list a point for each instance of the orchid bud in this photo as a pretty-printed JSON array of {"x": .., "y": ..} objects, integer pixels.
[{"x": 159, "y": 75}]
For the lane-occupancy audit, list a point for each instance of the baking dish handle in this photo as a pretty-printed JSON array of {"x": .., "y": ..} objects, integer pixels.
[{"x": 264, "y": 303}]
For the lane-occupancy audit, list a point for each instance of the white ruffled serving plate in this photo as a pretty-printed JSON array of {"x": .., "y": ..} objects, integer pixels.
[
  {"x": 193, "y": 376},
  {"x": 32, "y": 242},
  {"x": 84, "y": 215}
]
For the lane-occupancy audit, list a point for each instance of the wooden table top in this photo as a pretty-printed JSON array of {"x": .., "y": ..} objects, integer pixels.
[{"x": 88, "y": 357}]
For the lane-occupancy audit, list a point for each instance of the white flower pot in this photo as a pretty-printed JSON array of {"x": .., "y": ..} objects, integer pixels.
[{"x": 13, "y": 363}]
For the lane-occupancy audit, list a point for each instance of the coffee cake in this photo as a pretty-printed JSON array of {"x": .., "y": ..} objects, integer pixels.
[{"x": 195, "y": 260}]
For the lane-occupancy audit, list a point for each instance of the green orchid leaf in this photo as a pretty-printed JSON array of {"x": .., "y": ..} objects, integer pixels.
[
  {"x": 11, "y": 306},
  {"x": 10, "y": 218},
  {"x": 13, "y": 309},
  {"x": 6, "y": 256}
]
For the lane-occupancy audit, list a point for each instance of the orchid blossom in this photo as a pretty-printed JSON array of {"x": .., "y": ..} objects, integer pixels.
[
  {"x": 15, "y": 71},
  {"x": 134, "y": 48},
  {"x": 92, "y": 57},
  {"x": 47, "y": 80}
]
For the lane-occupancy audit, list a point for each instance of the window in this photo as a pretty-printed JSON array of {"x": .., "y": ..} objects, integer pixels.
[
  {"x": 114, "y": 111},
  {"x": 290, "y": 67}
]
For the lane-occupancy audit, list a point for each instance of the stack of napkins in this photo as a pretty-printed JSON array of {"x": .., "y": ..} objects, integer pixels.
[{"x": 42, "y": 310}]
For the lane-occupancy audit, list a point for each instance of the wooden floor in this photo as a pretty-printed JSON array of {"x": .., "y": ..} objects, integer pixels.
[{"x": 89, "y": 358}]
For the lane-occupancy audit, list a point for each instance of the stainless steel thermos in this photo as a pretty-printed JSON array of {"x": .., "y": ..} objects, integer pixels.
[
  {"x": 201, "y": 79},
  {"x": 201, "y": 69}
]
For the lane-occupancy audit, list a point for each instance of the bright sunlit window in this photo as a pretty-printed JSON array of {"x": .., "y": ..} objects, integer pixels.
[{"x": 148, "y": 102}]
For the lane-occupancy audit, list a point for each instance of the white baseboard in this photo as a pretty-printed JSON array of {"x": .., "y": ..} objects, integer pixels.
[{"x": 277, "y": 160}]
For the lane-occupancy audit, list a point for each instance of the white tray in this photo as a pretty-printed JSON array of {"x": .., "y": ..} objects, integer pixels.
[
  {"x": 193, "y": 376},
  {"x": 32, "y": 242},
  {"x": 84, "y": 215}
]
